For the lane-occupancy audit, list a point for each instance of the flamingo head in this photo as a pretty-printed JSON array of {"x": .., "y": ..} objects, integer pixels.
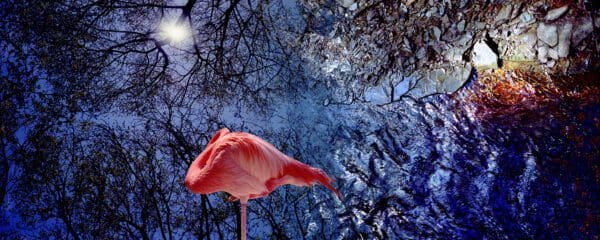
[{"x": 201, "y": 177}]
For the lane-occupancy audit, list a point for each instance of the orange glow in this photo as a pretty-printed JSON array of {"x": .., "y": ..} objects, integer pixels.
[{"x": 516, "y": 92}]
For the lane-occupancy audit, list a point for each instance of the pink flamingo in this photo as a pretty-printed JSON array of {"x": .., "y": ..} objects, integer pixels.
[{"x": 247, "y": 167}]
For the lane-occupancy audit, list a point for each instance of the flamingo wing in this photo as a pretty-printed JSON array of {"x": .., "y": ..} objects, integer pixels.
[{"x": 233, "y": 178}]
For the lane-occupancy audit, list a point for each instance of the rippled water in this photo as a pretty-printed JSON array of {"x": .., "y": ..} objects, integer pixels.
[{"x": 519, "y": 161}]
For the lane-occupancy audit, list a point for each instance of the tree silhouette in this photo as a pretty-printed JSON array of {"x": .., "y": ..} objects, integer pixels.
[{"x": 101, "y": 114}]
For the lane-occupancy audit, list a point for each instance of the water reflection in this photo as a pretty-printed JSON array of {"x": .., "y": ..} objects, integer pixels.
[{"x": 512, "y": 155}]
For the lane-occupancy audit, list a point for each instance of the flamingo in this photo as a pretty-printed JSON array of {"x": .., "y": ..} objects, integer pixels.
[{"x": 247, "y": 167}]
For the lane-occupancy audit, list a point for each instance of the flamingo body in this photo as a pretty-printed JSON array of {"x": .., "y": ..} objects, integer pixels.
[{"x": 248, "y": 167}]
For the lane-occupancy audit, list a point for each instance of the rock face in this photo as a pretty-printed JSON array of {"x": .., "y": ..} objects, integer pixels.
[
  {"x": 564, "y": 39},
  {"x": 377, "y": 95},
  {"x": 503, "y": 14},
  {"x": 366, "y": 42},
  {"x": 524, "y": 47},
  {"x": 583, "y": 29},
  {"x": 446, "y": 79},
  {"x": 483, "y": 56},
  {"x": 556, "y": 13},
  {"x": 552, "y": 53},
  {"x": 455, "y": 79},
  {"x": 543, "y": 54},
  {"x": 426, "y": 85},
  {"x": 548, "y": 34}
]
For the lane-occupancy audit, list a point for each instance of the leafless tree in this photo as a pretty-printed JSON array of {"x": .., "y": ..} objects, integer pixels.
[{"x": 111, "y": 112}]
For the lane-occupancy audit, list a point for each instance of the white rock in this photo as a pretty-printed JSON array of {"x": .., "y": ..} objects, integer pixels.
[
  {"x": 552, "y": 53},
  {"x": 548, "y": 34},
  {"x": 353, "y": 7},
  {"x": 526, "y": 18},
  {"x": 345, "y": 66},
  {"x": 437, "y": 75},
  {"x": 421, "y": 53},
  {"x": 347, "y": 3},
  {"x": 406, "y": 42},
  {"x": 455, "y": 78},
  {"x": 428, "y": 85},
  {"x": 564, "y": 39},
  {"x": 432, "y": 11},
  {"x": 465, "y": 39},
  {"x": 401, "y": 88},
  {"x": 437, "y": 33},
  {"x": 377, "y": 95},
  {"x": 556, "y": 13},
  {"x": 551, "y": 63},
  {"x": 543, "y": 54},
  {"x": 518, "y": 30},
  {"x": 380, "y": 93},
  {"x": 461, "y": 25},
  {"x": 483, "y": 56},
  {"x": 454, "y": 54},
  {"x": 479, "y": 25},
  {"x": 528, "y": 39},
  {"x": 423, "y": 86}
]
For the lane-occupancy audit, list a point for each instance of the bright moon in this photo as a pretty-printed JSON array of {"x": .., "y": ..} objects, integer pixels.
[{"x": 175, "y": 32}]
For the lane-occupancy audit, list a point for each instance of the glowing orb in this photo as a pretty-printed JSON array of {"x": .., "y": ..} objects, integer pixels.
[{"x": 175, "y": 32}]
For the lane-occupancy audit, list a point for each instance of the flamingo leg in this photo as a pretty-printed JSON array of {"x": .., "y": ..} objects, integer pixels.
[{"x": 244, "y": 203}]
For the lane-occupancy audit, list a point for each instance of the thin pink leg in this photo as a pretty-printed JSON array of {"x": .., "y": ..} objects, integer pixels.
[{"x": 244, "y": 202}]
